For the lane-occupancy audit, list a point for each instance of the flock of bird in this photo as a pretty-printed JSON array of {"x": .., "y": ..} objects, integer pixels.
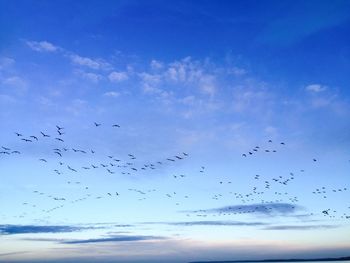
[{"x": 256, "y": 200}]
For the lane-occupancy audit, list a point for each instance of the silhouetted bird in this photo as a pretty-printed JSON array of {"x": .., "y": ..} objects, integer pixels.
[{"x": 44, "y": 135}]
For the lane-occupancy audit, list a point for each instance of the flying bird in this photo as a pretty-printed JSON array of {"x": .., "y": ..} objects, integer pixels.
[
  {"x": 70, "y": 168},
  {"x": 44, "y": 135}
]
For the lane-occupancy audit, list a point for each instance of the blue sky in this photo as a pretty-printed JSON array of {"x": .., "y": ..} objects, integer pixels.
[{"x": 195, "y": 87}]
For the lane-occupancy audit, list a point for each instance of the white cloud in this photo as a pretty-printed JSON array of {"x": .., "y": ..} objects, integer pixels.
[
  {"x": 15, "y": 81},
  {"x": 251, "y": 100},
  {"x": 150, "y": 82},
  {"x": 89, "y": 62},
  {"x": 155, "y": 64},
  {"x": 315, "y": 88},
  {"x": 93, "y": 77},
  {"x": 207, "y": 84},
  {"x": 322, "y": 96},
  {"x": 118, "y": 76},
  {"x": 112, "y": 94},
  {"x": 42, "y": 46},
  {"x": 6, "y": 63},
  {"x": 191, "y": 73},
  {"x": 177, "y": 72},
  {"x": 84, "y": 61}
]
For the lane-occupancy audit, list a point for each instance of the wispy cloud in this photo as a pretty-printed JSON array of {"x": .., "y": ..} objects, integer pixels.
[
  {"x": 6, "y": 63},
  {"x": 300, "y": 227},
  {"x": 15, "y": 82},
  {"x": 88, "y": 62},
  {"x": 112, "y": 94},
  {"x": 90, "y": 76},
  {"x": 186, "y": 76},
  {"x": 211, "y": 223},
  {"x": 192, "y": 73},
  {"x": 150, "y": 82},
  {"x": 13, "y": 253},
  {"x": 155, "y": 64},
  {"x": 34, "y": 229},
  {"x": 252, "y": 97},
  {"x": 42, "y": 46},
  {"x": 315, "y": 88},
  {"x": 267, "y": 209},
  {"x": 77, "y": 60},
  {"x": 119, "y": 238},
  {"x": 118, "y": 76}
]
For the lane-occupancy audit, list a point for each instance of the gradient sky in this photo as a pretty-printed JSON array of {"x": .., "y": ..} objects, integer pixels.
[{"x": 212, "y": 79}]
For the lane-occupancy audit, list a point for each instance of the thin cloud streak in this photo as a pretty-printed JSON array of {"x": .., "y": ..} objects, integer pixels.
[
  {"x": 119, "y": 238},
  {"x": 300, "y": 227},
  {"x": 210, "y": 223},
  {"x": 35, "y": 229},
  {"x": 266, "y": 209}
]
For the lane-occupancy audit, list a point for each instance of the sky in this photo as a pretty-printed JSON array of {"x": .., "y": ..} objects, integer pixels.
[{"x": 177, "y": 131}]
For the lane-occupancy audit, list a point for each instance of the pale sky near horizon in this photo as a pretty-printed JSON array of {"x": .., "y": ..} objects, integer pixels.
[{"x": 187, "y": 130}]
